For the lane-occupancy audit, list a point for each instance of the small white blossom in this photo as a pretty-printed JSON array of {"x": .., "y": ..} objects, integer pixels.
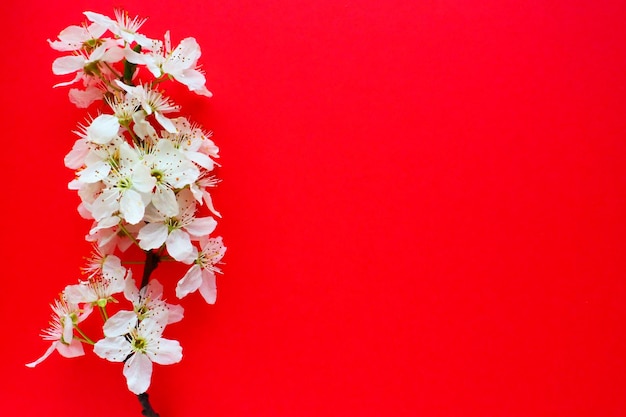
[
  {"x": 152, "y": 101},
  {"x": 176, "y": 232},
  {"x": 84, "y": 64},
  {"x": 128, "y": 188},
  {"x": 106, "y": 277},
  {"x": 172, "y": 171},
  {"x": 65, "y": 315},
  {"x": 147, "y": 303},
  {"x": 123, "y": 26},
  {"x": 74, "y": 38},
  {"x": 201, "y": 276},
  {"x": 180, "y": 63},
  {"x": 138, "y": 350}
]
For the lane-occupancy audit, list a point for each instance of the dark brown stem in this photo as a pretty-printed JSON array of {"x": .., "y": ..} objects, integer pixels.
[
  {"x": 145, "y": 404},
  {"x": 152, "y": 261}
]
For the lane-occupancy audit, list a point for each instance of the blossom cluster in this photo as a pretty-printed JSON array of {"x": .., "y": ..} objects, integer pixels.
[{"x": 143, "y": 173}]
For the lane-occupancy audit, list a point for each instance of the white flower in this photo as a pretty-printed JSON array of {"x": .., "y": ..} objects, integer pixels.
[
  {"x": 128, "y": 188},
  {"x": 103, "y": 129},
  {"x": 181, "y": 63},
  {"x": 201, "y": 276},
  {"x": 111, "y": 233},
  {"x": 74, "y": 38},
  {"x": 151, "y": 101},
  {"x": 84, "y": 65},
  {"x": 195, "y": 144},
  {"x": 200, "y": 193},
  {"x": 175, "y": 232},
  {"x": 106, "y": 277},
  {"x": 138, "y": 350},
  {"x": 83, "y": 98},
  {"x": 61, "y": 331},
  {"x": 147, "y": 303},
  {"x": 172, "y": 170},
  {"x": 123, "y": 26}
]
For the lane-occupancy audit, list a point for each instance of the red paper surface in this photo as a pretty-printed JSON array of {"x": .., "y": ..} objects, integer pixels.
[{"x": 423, "y": 204}]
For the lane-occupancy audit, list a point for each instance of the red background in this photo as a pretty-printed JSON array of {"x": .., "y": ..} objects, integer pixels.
[{"x": 423, "y": 204}]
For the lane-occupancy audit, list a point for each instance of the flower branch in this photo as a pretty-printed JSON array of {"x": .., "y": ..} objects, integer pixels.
[{"x": 143, "y": 176}]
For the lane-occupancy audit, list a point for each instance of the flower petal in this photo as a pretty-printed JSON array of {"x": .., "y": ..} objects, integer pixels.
[
  {"x": 190, "y": 282},
  {"x": 72, "y": 350},
  {"x": 67, "y": 64},
  {"x": 138, "y": 372},
  {"x": 103, "y": 129},
  {"x": 208, "y": 288},
  {"x": 48, "y": 352},
  {"x": 164, "y": 200},
  {"x": 202, "y": 226},
  {"x": 120, "y": 323},
  {"x": 152, "y": 236},
  {"x": 166, "y": 352},
  {"x": 132, "y": 207},
  {"x": 179, "y": 245},
  {"x": 175, "y": 313},
  {"x": 114, "y": 349}
]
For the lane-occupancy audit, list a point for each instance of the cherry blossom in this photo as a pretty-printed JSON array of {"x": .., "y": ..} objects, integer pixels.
[
  {"x": 65, "y": 315},
  {"x": 139, "y": 349},
  {"x": 201, "y": 276},
  {"x": 176, "y": 232}
]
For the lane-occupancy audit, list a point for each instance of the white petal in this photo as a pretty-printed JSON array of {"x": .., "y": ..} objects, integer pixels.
[
  {"x": 190, "y": 282},
  {"x": 201, "y": 159},
  {"x": 120, "y": 323},
  {"x": 155, "y": 289},
  {"x": 95, "y": 172},
  {"x": 114, "y": 349},
  {"x": 203, "y": 91},
  {"x": 76, "y": 157},
  {"x": 179, "y": 245},
  {"x": 151, "y": 329},
  {"x": 194, "y": 80},
  {"x": 83, "y": 98},
  {"x": 132, "y": 207},
  {"x": 165, "y": 122},
  {"x": 72, "y": 350},
  {"x": 138, "y": 372},
  {"x": 101, "y": 19},
  {"x": 67, "y": 64},
  {"x": 103, "y": 129},
  {"x": 70, "y": 39},
  {"x": 152, "y": 236},
  {"x": 48, "y": 352},
  {"x": 105, "y": 223},
  {"x": 209, "y": 202},
  {"x": 164, "y": 200},
  {"x": 165, "y": 352},
  {"x": 112, "y": 268},
  {"x": 130, "y": 288},
  {"x": 143, "y": 182},
  {"x": 77, "y": 293},
  {"x": 175, "y": 313},
  {"x": 208, "y": 288},
  {"x": 203, "y": 226},
  {"x": 106, "y": 204}
]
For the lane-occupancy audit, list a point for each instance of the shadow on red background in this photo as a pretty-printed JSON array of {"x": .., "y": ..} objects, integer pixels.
[{"x": 423, "y": 206}]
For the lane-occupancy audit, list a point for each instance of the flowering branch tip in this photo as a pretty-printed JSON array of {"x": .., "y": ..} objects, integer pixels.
[{"x": 144, "y": 175}]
